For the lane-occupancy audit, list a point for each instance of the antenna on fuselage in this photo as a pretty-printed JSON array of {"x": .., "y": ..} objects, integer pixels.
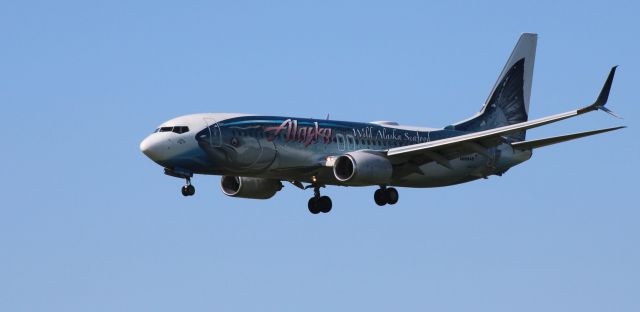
[{"x": 328, "y": 116}]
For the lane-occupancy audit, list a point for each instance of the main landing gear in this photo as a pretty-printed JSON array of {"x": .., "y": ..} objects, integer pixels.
[
  {"x": 317, "y": 203},
  {"x": 188, "y": 189},
  {"x": 385, "y": 195}
]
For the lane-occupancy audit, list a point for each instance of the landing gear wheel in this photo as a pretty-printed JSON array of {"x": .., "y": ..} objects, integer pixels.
[
  {"x": 324, "y": 204},
  {"x": 191, "y": 190},
  {"x": 380, "y": 197},
  {"x": 392, "y": 196},
  {"x": 188, "y": 190},
  {"x": 313, "y": 205},
  {"x": 317, "y": 203}
]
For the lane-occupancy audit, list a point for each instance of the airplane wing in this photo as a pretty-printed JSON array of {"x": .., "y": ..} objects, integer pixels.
[
  {"x": 525, "y": 145},
  {"x": 443, "y": 150}
]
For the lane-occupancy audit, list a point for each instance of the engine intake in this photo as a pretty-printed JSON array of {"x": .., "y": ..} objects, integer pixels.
[
  {"x": 362, "y": 168},
  {"x": 244, "y": 187}
]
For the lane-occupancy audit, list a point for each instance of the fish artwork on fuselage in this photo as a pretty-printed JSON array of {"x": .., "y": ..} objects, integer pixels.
[
  {"x": 296, "y": 131},
  {"x": 255, "y": 155},
  {"x": 250, "y": 144},
  {"x": 309, "y": 132}
]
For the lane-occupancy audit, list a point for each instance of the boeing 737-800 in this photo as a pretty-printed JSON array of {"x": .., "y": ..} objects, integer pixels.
[{"x": 256, "y": 154}]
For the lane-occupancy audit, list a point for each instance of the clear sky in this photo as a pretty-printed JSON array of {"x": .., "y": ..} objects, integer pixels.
[{"x": 88, "y": 223}]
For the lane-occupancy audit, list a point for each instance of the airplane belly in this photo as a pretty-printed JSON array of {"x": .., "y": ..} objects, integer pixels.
[
  {"x": 466, "y": 168},
  {"x": 291, "y": 156},
  {"x": 432, "y": 174},
  {"x": 294, "y": 161}
]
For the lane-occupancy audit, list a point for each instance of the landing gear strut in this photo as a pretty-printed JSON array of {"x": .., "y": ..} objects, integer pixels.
[
  {"x": 317, "y": 203},
  {"x": 188, "y": 189},
  {"x": 385, "y": 195}
]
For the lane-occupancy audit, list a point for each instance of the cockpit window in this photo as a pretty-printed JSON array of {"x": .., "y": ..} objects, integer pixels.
[
  {"x": 178, "y": 129},
  {"x": 181, "y": 129}
]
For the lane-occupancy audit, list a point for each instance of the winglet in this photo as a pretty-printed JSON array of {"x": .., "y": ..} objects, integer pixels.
[
  {"x": 604, "y": 93},
  {"x": 603, "y": 96}
]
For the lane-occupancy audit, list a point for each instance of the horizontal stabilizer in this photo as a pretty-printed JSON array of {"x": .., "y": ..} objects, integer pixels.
[{"x": 559, "y": 139}]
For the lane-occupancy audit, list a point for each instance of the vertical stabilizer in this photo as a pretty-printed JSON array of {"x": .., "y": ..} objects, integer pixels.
[{"x": 508, "y": 102}]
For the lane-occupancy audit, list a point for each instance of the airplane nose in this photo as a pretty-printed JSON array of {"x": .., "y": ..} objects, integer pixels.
[
  {"x": 145, "y": 146},
  {"x": 150, "y": 146}
]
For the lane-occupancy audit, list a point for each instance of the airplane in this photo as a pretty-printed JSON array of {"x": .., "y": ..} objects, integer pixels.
[{"x": 255, "y": 154}]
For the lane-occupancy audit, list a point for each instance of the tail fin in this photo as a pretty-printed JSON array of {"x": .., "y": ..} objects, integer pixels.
[{"x": 508, "y": 102}]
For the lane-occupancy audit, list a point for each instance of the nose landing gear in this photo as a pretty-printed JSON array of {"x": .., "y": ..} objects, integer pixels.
[
  {"x": 384, "y": 195},
  {"x": 188, "y": 189},
  {"x": 317, "y": 203}
]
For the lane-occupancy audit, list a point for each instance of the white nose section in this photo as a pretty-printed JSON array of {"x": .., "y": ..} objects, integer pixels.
[{"x": 153, "y": 147}]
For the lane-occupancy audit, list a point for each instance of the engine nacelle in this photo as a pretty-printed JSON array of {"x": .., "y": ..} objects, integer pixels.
[
  {"x": 362, "y": 168},
  {"x": 244, "y": 187}
]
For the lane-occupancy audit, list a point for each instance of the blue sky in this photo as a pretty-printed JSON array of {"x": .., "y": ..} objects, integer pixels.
[{"x": 88, "y": 223}]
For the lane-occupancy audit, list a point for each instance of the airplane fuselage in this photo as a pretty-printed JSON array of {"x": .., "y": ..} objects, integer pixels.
[{"x": 302, "y": 149}]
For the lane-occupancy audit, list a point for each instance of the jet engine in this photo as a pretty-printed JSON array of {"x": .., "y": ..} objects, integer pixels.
[
  {"x": 244, "y": 187},
  {"x": 362, "y": 168}
]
